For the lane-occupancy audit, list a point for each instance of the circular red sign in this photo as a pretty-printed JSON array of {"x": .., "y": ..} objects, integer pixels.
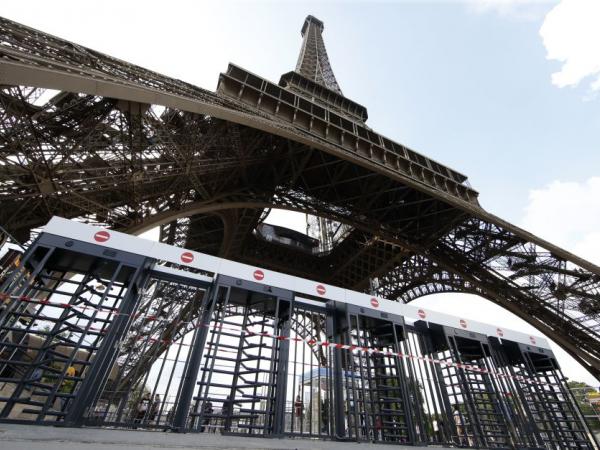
[
  {"x": 321, "y": 289},
  {"x": 374, "y": 302},
  {"x": 259, "y": 274},
  {"x": 421, "y": 314},
  {"x": 532, "y": 339},
  {"x": 102, "y": 236},
  {"x": 187, "y": 257},
  {"x": 499, "y": 332},
  {"x": 463, "y": 323}
]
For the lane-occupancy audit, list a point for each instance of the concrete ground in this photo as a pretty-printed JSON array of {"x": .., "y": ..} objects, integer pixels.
[{"x": 32, "y": 437}]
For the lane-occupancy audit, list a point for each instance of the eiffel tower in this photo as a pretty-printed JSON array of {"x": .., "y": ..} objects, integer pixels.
[{"x": 85, "y": 135}]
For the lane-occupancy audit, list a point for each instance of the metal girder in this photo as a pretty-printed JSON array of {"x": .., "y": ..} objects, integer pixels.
[
  {"x": 560, "y": 302},
  {"x": 132, "y": 149}
]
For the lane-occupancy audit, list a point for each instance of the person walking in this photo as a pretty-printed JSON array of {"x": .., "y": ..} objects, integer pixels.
[
  {"x": 378, "y": 435},
  {"x": 226, "y": 412},
  {"x": 207, "y": 410},
  {"x": 440, "y": 433},
  {"x": 142, "y": 409},
  {"x": 66, "y": 387},
  {"x": 299, "y": 411},
  {"x": 155, "y": 407},
  {"x": 325, "y": 416},
  {"x": 459, "y": 422}
]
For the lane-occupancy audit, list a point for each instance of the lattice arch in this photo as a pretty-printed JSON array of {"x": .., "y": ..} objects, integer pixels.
[{"x": 93, "y": 137}]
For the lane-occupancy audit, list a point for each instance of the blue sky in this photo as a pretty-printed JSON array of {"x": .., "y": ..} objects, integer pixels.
[
  {"x": 466, "y": 83},
  {"x": 468, "y": 86}
]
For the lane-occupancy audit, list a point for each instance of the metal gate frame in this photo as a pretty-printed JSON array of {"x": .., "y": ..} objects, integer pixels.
[
  {"x": 72, "y": 308},
  {"x": 56, "y": 362},
  {"x": 228, "y": 292},
  {"x": 374, "y": 386}
]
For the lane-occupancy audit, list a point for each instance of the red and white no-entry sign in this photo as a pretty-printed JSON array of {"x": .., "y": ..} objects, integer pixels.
[
  {"x": 102, "y": 236},
  {"x": 463, "y": 323},
  {"x": 187, "y": 257},
  {"x": 374, "y": 302},
  {"x": 532, "y": 339},
  {"x": 421, "y": 313},
  {"x": 321, "y": 289},
  {"x": 499, "y": 332},
  {"x": 259, "y": 275}
]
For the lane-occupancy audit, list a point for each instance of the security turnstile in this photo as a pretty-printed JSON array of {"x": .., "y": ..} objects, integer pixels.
[
  {"x": 308, "y": 411},
  {"x": 373, "y": 402},
  {"x": 539, "y": 393},
  {"x": 63, "y": 317},
  {"x": 96, "y": 335},
  {"x": 241, "y": 385},
  {"x": 145, "y": 387}
]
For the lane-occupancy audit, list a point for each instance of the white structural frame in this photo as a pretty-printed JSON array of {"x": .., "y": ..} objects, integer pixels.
[{"x": 314, "y": 289}]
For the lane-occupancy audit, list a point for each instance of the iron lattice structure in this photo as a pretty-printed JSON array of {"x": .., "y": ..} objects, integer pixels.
[{"x": 84, "y": 135}]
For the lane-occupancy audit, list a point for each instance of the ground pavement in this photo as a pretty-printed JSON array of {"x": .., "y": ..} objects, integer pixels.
[{"x": 32, "y": 437}]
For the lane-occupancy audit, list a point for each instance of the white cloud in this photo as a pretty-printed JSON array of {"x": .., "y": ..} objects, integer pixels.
[
  {"x": 567, "y": 214},
  {"x": 571, "y": 35},
  {"x": 512, "y": 9}
]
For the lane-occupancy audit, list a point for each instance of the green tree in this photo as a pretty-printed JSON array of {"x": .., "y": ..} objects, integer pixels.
[{"x": 580, "y": 391}]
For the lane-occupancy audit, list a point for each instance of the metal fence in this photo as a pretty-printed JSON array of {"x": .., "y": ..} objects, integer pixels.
[{"x": 91, "y": 335}]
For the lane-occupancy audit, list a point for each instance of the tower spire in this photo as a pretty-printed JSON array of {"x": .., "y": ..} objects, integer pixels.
[{"x": 313, "y": 62}]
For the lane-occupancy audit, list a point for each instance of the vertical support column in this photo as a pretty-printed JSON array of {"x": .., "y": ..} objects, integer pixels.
[
  {"x": 335, "y": 319},
  {"x": 414, "y": 384},
  {"x": 284, "y": 319},
  {"x": 94, "y": 381},
  {"x": 188, "y": 382}
]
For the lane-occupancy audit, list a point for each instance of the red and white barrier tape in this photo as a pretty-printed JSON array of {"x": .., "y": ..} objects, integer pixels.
[{"x": 309, "y": 341}]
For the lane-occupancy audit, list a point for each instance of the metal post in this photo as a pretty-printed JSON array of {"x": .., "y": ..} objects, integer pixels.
[
  {"x": 403, "y": 382},
  {"x": 282, "y": 369},
  {"x": 188, "y": 381},
  {"x": 334, "y": 334}
]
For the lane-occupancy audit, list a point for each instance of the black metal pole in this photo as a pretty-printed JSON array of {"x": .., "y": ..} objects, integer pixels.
[
  {"x": 282, "y": 369},
  {"x": 334, "y": 333},
  {"x": 188, "y": 381}
]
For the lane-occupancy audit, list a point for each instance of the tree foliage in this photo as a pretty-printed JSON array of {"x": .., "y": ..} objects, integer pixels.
[{"x": 581, "y": 393}]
